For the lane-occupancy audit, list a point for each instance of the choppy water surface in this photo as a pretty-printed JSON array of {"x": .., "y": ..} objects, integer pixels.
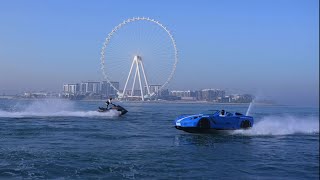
[{"x": 68, "y": 139}]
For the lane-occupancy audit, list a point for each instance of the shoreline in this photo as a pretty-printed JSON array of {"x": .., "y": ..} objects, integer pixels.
[{"x": 151, "y": 102}]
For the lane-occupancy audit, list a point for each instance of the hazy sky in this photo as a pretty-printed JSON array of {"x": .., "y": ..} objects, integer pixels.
[{"x": 269, "y": 48}]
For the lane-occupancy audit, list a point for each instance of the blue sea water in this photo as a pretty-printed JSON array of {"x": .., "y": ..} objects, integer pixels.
[{"x": 53, "y": 139}]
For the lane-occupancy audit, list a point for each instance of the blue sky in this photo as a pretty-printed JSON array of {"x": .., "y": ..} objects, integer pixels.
[{"x": 269, "y": 48}]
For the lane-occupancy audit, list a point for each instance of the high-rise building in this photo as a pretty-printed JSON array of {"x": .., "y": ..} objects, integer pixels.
[
  {"x": 70, "y": 88},
  {"x": 105, "y": 86},
  {"x": 164, "y": 92},
  {"x": 90, "y": 87},
  {"x": 198, "y": 95},
  {"x": 107, "y": 90},
  {"x": 212, "y": 94},
  {"x": 113, "y": 92},
  {"x": 181, "y": 93},
  {"x": 65, "y": 88},
  {"x": 83, "y": 87},
  {"x": 153, "y": 89}
]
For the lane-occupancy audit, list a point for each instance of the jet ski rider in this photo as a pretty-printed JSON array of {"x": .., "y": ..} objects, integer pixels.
[{"x": 109, "y": 101}]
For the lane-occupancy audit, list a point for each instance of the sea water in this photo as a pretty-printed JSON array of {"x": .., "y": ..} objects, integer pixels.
[{"x": 51, "y": 139}]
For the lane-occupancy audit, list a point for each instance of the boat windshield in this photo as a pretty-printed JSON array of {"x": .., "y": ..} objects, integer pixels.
[{"x": 210, "y": 112}]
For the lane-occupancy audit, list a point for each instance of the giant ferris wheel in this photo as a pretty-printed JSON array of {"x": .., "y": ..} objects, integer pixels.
[{"x": 139, "y": 58}]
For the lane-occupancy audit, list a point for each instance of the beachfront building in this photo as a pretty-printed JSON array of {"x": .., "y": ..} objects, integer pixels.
[
  {"x": 212, "y": 94},
  {"x": 70, "y": 88},
  {"x": 153, "y": 89},
  {"x": 107, "y": 90}
]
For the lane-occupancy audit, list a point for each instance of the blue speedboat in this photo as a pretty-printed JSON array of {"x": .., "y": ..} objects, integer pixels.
[{"x": 213, "y": 120}]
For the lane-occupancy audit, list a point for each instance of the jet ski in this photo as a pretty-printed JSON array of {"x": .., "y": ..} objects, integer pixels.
[{"x": 114, "y": 108}]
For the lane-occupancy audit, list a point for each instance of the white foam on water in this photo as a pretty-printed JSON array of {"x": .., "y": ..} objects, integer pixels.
[
  {"x": 22, "y": 114},
  {"x": 283, "y": 125},
  {"x": 54, "y": 108}
]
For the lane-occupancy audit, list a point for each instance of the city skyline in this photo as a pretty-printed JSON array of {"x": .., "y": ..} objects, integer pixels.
[
  {"x": 266, "y": 48},
  {"x": 103, "y": 90}
]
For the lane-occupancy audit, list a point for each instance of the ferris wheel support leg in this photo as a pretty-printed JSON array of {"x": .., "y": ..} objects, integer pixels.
[
  {"x": 139, "y": 76},
  {"x": 145, "y": 77},
  {"x": 125, "y": 86},
  {"x": 134, "y": 80}
]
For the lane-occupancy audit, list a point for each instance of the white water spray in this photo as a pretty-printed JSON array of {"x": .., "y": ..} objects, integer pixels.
[
  {"x": 59, "y": 114},
  {"x": 283, "y": 125},
  {"x": 54, "y": 108},
  {"x": 249, "y": 108}
]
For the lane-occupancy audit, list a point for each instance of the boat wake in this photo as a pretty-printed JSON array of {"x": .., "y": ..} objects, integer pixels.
[
  {"x": 283, "y": 125},
  {"x": 51, "y": 108},
  {"x": 58, "y": 114}
]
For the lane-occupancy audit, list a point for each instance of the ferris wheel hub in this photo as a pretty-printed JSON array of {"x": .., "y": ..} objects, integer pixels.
[{"x": 137, "y": 58}]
